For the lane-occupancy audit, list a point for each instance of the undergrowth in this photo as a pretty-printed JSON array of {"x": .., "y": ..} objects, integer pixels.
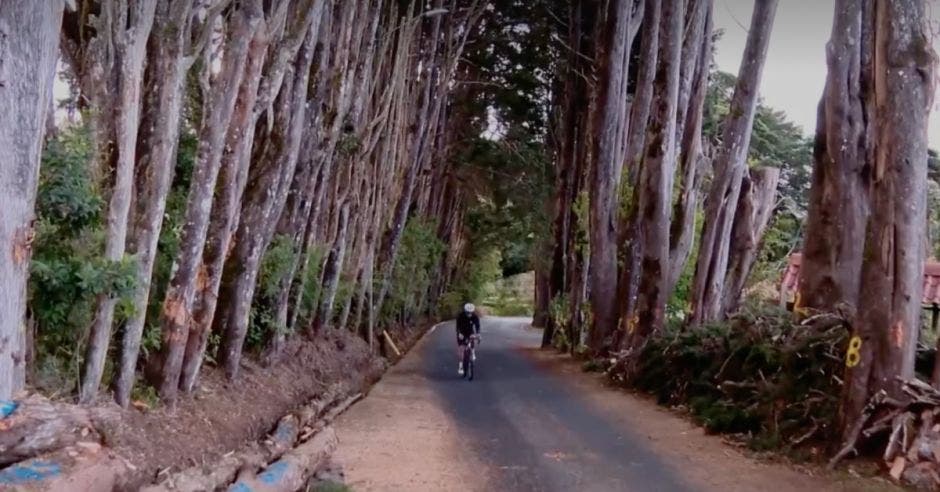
[{"x": 772, "y": 382}]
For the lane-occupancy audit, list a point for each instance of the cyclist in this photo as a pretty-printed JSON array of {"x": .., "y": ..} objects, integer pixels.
[{"x": 468, "y": 324}]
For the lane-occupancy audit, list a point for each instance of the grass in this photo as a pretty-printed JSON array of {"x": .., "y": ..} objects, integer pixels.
[{"x": 328, "y": 487}]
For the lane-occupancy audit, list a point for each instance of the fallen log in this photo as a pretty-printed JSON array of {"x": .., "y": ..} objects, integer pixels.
[
  {"x": 37, "y": 425},
  {"x": 86, "y": 466},
  {"x": 294, "y": 469},
  {"x": 330, "y": 416},
  {"x": 212, "y": 476}
]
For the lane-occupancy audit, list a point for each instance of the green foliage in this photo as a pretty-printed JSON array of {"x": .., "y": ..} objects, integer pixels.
[
  {"x": 476, "y": 275},
  {"x": 276, "y": 266},
  {"x": 678, "y": 303},
  {"x": 507, "y": 209},
  {"x": 511, "y": 296},
  {"x": 311, "y": 283},
  {"x": 68, "y": 271},
  {"x": 418, "y": 259},
  {"x": 328, "y": 487},
  {"x": 757, "y": 375},
  {"x": 560, "y": 314}
]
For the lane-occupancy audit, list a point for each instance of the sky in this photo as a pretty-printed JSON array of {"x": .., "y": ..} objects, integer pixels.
[{"x": 795, "y": 71}]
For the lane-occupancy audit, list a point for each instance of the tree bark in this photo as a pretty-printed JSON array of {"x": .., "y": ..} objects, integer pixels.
[
  {"x": 654, "y": 179},
  {"x": 838, "y": 203},
  {"x": 263, "y": 203},
  {"x": 692, "y": 98},
  {"x": 331, "y": 277},
  {"x": 167, "y": 67},
  {"x": 754, "y": 210},
  {"x": 712, "y": 264},
  {"x": 611, "y": 126},
  {"x": 177, "y": 305},
  {"x": 28, "y": 51},
  {"x": 263, "y": 79},
  {"x": 126, "y": 27},
  {"x": 888, "y": 320},
  {"x": 629, "y": 270}
]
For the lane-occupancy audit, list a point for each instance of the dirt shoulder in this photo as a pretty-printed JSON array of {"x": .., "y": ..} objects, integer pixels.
[
  {"x": 400, "y": 438},
  {"x": 706, "y": 461},
  {"x": 222, "y": 416}
]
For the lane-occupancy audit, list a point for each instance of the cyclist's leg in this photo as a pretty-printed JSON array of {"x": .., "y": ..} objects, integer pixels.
[{"x": 461, "y": 348}]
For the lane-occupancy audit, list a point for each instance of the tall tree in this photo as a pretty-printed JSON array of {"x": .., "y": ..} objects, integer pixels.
[
  {"x": 629, "y": 270},
  {"x": 612, "y": 125},
  {"x": 29, "y": 33},
  {"x": 838, "y": 203},
  {"x": 119, "y": 49},
  {"x": 693, "y": 86},
  {"x": 755, "y": 206},
  {"x": 271, "y": 174},
  {"x": 175, "y": 42},
  {"x": 730, "y": 166},
  {"x": 888, "y": 321},
  {"x": 655, "y": 178},
  {"x": 219, "y": 108}
]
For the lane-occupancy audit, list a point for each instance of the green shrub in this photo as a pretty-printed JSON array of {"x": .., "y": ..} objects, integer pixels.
[
  {"x": 418, "y": 259},
  {"x": 68, "y": 271},
  {"x": 757, "y": 374},
  {"x": 472, "y": 281},
  {"x": 275, "y": 266}
]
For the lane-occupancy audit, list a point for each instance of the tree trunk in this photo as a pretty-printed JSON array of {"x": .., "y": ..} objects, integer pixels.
[
  {"x": 28, "y": 51},
  {"x": 611, "y": 126},
  {"x": 257, "y": 89},
  {"x": 654, "y": 179},
  {"x": 712, "y": 264},
  {"x": 886, "y": 329},
  {"x": 564, "y": 169},
  {"x": 177, "y": 305},
  {"x": 331, "y": 277},
  {"x": 263, "y": 204},
  {"x": 692, "y": 98},
  {"x": 754, "y": 210},
  {"x": 130, "y": 23},
  {"x": 430, "y": 79},
  {"x": 231, "y": 181},
  {"x": 838, "y": 203},
  {"x": 166, "y": 72},
  {"x": 629, "y": 270}
]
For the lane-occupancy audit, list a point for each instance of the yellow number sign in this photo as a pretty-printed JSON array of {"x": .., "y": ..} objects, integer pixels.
[{"x": 852, "y": 355}]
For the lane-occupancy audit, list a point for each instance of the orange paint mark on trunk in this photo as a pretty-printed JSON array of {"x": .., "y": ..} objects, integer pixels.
[{"x": 897, "y": 334}]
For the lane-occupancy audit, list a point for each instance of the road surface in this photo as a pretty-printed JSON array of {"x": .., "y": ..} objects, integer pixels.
[{"x": 524, "y": 424}]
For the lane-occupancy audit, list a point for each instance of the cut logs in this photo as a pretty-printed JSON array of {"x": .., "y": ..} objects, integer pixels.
[
  {"x": 912, "y": 429},
  {"x": 289, "y": 461},
  {"x": 38, "y": 425}
]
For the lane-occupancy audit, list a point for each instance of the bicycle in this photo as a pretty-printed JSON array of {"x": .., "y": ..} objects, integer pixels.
[{"x": 469, "y": 355}]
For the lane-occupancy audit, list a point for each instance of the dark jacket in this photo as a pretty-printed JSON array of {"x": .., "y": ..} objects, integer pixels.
[{"x": 467, "y": 324}]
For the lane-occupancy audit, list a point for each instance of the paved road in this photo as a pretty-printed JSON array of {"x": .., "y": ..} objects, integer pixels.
[
  {"x": 538, "y": 434},
  {"x": 529, "y": 432}
]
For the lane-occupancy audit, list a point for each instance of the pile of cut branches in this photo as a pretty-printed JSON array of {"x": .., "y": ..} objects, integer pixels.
[
  {"x": 761, "y": 376},
  {"x": 912, "y": 452}
]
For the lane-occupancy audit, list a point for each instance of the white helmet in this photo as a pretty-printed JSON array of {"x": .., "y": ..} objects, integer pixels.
[{"x": 468, "y": 307}]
